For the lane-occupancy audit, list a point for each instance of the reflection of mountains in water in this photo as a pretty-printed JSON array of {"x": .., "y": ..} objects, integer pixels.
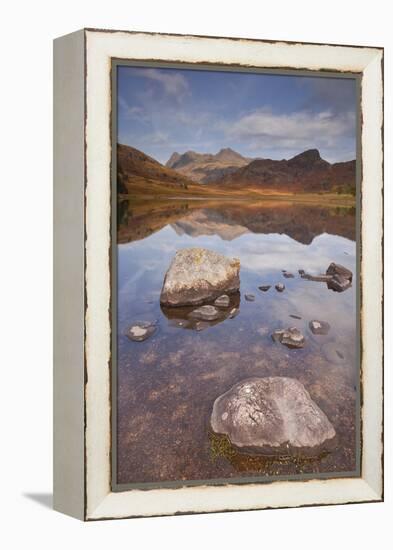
[{"x": 300, "y": 221}]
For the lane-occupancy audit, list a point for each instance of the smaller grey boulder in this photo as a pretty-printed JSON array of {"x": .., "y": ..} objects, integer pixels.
[
  {"x": 205, "y": 313},
  {"x": 290, "y": 337},
  {"x": 280, "y": 287},
  {"x": 340, "y": 277},
  {"x": 339, "y": 283},
  {"x": 222, "y": 301},
  {"x": 337, "y": 269},
  {"x": 141, "y": 330},
  {"x": 319, "y": 327}
]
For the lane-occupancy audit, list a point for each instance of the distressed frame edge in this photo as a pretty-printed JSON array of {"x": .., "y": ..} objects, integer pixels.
[
  {"x": 374, "y": 489},
  {"x": 69, "y": 277}
]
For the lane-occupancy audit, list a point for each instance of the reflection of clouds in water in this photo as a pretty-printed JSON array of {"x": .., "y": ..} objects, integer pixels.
[
  {"x": 258, "y": 253},
  {"x": 142, "y": 266},
  {"x": 312, "y": 300},
  {"x": 263, "y": 253}
]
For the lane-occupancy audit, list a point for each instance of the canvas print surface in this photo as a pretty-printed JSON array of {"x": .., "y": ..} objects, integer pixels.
[{"x": 236, "y": 279}]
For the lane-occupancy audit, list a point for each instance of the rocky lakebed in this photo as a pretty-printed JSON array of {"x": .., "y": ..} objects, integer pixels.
[{"x": 233, "y": 371}]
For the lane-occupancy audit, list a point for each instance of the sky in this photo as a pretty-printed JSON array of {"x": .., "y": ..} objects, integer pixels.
[{"x": 164, "y": 110}]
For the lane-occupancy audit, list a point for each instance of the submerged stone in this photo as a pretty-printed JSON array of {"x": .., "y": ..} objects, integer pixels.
[
  {"x": 249, "y": 297},
  {"x": 205, "y": 313},
  {"x": 141, "y": 330},
  {"x": 332, "y": 354},
  {"x": 273, "y": 415},
  {"x": 319, "y": 327},
  {"x": 290, "y": 337},
  {"x": 197, "y": 275}
]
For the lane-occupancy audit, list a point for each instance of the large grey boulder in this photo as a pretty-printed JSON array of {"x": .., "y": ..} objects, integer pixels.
[
  {"x": 273, "y": 415},
  {"x": 197, "y": 275}
]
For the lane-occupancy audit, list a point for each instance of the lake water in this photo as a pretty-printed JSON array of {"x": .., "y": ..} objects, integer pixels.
[{"x": 168, "y": 383}]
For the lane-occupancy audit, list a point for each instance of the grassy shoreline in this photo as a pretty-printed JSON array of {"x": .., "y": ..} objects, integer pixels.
[{"x": 325, "y": 199}]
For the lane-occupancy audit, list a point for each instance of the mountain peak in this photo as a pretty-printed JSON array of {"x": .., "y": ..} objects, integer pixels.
[
  {"x": 228, "y": 154},
  {"x": 309, "y": 156},
  {"x": 173, "y": 159}
]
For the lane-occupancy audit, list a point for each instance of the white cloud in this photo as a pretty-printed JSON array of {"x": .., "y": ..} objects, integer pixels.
[
  {"x": 132, "y": 112},
  {"x": 174, "y": 83},
  {"x": 298, "y": 130}
]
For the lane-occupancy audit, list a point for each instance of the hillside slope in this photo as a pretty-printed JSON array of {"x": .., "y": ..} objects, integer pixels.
[{"x": 138, "y": 173}]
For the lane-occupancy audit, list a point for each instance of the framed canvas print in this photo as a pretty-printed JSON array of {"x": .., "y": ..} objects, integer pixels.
[{"x": 218, "y": 274}]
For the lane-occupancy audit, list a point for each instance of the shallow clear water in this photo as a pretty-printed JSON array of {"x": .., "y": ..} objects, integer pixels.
[{"x": 168, "y": 383}]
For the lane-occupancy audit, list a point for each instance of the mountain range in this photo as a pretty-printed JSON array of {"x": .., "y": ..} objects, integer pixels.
[
  {"x": 205, "y": 167},
  {"x": 229, "y": 173}
]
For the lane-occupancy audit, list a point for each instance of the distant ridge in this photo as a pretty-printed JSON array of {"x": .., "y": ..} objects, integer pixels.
[
  {"x": 306, "y": 172},
  {"x": 206, "y": 167}
]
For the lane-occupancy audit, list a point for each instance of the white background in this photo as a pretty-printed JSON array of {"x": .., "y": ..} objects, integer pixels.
[{"x": 28, "y": 28}]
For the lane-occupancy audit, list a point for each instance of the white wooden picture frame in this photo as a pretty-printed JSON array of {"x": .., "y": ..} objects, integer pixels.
[{"x": 82, "y": 334}]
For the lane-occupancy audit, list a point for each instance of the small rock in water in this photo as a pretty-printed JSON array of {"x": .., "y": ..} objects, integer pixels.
[
  {"x": 249, "y": 297},
  {"x": 234, "y": 312},
  {"x": 319, "y": 327},
  {"x": 205, "y": 313},
  {"x": 339, "y": 283},
  {"x": 264, "y": 288},
  {"x": 222, "y": 301},
  {"x": 290, "y": 337},
  {"x": 277, "y": 334},
  {"x": 301, "y": 272},
  {"x": 341, "y": 277},
  {"x": 272, "y": 415},
  {"x": 280, "y": 287},
  {"x": 294, "y": 316},
  {"x": 288, "y": 275},
  {"x": 141, "y": 331}
]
